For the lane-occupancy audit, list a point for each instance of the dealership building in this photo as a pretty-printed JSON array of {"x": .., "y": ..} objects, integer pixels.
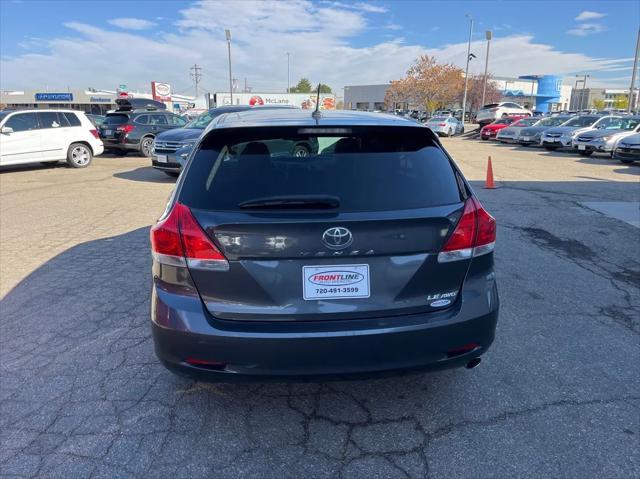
[
  {"x": 93, "y": 101},
  {"x": 583, "y": 98},
  {"x": 539, "y": 92}
]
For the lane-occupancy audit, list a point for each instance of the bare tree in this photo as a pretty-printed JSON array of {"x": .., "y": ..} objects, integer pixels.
[{"x": 474, "y": 92}]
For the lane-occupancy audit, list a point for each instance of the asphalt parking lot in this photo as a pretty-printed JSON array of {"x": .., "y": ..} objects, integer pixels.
[{"x": 558, "y": 395}]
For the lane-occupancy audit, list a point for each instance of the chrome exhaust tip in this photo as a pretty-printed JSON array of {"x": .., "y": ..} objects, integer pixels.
[{"x": 474, "y": 363}]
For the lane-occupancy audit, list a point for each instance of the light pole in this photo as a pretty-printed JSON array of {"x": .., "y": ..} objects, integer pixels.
[
  {"x": 488, "y": 34},
  {"x": 288, "y": 55},
  {"x": 227, "y": 33},
  {"x": 633, "y": 74},
  {"x": 466, "y": 73}
]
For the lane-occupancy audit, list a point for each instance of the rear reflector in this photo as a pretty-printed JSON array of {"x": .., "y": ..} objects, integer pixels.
[
  {"x": 474, "y": 235},
  {"x": 178, "y": 240},
  {"x": 95, "y": 134}
]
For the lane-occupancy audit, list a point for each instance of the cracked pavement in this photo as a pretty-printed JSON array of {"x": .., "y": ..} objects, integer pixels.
[{"x": 82, "y": 394}]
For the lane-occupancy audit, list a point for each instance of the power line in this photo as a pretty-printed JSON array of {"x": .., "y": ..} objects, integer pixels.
[{"x": 196, "y": 75}]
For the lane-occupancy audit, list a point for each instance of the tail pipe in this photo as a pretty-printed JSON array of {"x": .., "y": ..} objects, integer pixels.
[{"x": 475, "y": 362}]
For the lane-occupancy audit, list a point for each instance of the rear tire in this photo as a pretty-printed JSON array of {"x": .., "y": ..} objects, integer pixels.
[
  {"x": 79, "y": 155},
  {"x": 585, "y": 153},
  {"x": 146, "y": 146}
]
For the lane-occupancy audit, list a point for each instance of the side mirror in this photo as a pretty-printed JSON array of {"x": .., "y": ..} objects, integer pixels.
[{"x": 6, "y": 130}]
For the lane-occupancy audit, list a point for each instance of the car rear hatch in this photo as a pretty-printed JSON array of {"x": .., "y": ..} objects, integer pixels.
[
  {"x": 351, "y": 229},
  {"x": 114, "y": 127}
]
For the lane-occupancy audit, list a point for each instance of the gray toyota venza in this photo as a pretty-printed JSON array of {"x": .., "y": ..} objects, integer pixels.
[{"x": 321, "y": 245}]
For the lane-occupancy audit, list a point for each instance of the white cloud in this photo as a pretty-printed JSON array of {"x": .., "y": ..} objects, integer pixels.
[
  {"x": 589, "y": 15},
  {"x": 318, "y": 36},
  {"x": 393, "y": 26},
  {"x": 584, "y": 29},
  {"x": 131, "y": 23},
  {"x": 368, "y": 7}
]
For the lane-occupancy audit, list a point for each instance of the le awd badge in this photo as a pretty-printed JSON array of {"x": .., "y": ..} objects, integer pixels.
[{"x": 441, "y": 299}]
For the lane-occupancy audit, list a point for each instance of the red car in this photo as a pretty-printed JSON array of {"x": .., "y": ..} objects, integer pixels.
[{"x": 490, "y": 131}]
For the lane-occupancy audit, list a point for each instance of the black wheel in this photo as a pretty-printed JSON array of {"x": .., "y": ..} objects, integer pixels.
[
  {"x": 146, "y": 146},
  {"x": 504, "y": 115},
  {"x": 79, "y": 155},
  {"x": 551, "y": 148},
  {"x": 173, "y": 174}
]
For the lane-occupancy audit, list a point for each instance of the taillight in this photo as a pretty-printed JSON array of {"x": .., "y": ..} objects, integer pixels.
[
  {"x": 95, "y": 134},
  {"x": 125, "y": 128},
  {"x": 474, "y": 235},
  {"x": 178, "y": 240},
  {"x": 442, "y": 124}
]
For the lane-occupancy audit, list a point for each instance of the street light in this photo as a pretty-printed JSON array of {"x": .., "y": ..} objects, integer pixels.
[
  {"x": 466, "y": 73},
  {"x": 633, "y": 74},
  {"x": 288, "y": 55},
  {"x": 488, "y": 35},
  {"x": 227, "y": 33}
]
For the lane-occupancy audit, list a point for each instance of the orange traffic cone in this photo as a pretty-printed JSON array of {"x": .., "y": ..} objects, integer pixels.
[{"x": 489, "y": 184}]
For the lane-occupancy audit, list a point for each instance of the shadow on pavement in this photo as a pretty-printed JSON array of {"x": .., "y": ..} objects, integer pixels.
[
  {"x": 83, "y": 393},
  {"x": 146, "y": 174}
]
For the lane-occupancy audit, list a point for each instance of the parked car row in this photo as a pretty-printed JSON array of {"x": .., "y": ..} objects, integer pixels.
[{"x": 614, "y": 135}]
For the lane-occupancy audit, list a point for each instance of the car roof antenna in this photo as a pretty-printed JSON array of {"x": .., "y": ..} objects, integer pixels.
[{"x": 316, "y": 113}]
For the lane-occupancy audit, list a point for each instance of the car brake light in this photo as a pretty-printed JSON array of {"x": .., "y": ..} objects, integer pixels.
[
  {"x": 178, "y": 240},
  {"x": 125, "y": 128},
  {"x": 474, "y": 235},
  {"x": 442, "y": 124},
  {"x": 95, "y": 134}
]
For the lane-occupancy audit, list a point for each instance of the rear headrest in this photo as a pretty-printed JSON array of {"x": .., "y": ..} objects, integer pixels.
[{"x": 255, "y": 148}]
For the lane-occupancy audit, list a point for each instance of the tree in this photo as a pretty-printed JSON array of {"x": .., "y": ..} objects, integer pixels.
[
  {"x": 620, "y": 102},
  {"x": 598, "y": 104},
  {"x": 474, "y": 92},
  {"x": 427, "y": 84},
  {"x": 323, "y": 88},
  {"x": 303, "y": 86}
]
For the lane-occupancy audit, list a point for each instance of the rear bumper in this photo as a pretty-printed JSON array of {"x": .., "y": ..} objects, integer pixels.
[
  {"x": 596, "y": 148},
  {"x": 183, "y": 330}
]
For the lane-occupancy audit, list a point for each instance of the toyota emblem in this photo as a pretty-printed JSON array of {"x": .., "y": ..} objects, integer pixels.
[{"x": 337, "y": 238}]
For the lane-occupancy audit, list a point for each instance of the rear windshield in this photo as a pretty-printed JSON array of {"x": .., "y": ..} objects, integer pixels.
[
  {"x": 490, "y": 105},
  {"x": 554, "y": 121},
  {"x": 527, "y": 122},
  {"x": 365, "y": 168},
  {"x": 116, "y": 119}
]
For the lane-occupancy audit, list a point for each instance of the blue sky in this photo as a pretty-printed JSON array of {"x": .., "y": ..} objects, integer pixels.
[{"x": 56, "y": 44}]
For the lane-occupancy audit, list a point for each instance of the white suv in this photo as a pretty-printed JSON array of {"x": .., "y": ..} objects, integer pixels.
[
  {"x": 491, "y": 112},
  {"x": 31, "y": 136}
]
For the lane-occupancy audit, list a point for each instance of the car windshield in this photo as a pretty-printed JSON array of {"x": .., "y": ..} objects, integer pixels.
[
  {"x": 630, "y": 123},
  {"x": 3, "y": 115},
  {"x": 582, "y": 121},
  {"x": 116, "y": 119},
  {"x": 202, "y": 121},
  {"x": 553, "y": 121},
  {"x": 503, "y": 121},
  {"x": 612, "y": 123},
  {"x": 350, "y": 169},
  {"x": 526, "y": 122}
]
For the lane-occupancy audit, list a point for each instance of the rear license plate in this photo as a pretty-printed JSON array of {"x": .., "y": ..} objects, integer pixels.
[
  {"x": 525, "y": 138},
  {"x": 161, "y": 158},
  {"x": 582, "y": 147},
  {"x": 108, "y": 132},
  {"x": 341, "y": 281}
]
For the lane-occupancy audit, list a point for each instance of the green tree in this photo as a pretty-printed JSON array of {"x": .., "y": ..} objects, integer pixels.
[
  {"x": 303, "y": 86},
  {"x": 598, "y": 104},
  {"x": 323, "y": 88},
  {"x": 620, "y": 102}
]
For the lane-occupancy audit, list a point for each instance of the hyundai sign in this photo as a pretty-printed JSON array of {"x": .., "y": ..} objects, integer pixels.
[{"x": 66, "y": 97}]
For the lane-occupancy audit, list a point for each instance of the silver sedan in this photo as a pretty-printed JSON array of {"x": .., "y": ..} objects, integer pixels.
[{"x": 445, "y": 125}]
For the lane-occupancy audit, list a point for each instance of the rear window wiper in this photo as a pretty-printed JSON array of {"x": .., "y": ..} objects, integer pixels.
[{"x": 293, "y": 202}]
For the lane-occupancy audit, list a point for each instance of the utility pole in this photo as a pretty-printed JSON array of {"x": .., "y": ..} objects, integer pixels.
[
  {"x": 227, "y": 34},
  {"x": 633, "y": 74},
  {"x": 488, "y": 35},
  {"x": 288, "y": 56},
  {"x": 196, "y": 75},
  {"x": 466, "y": 73}
]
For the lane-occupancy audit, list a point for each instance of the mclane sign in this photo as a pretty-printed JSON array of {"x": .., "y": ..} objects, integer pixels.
[
  {"x": 161, "y": 91},
  {"x": 66, "y": 97},
  {"x": 300, "y": 100}
]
